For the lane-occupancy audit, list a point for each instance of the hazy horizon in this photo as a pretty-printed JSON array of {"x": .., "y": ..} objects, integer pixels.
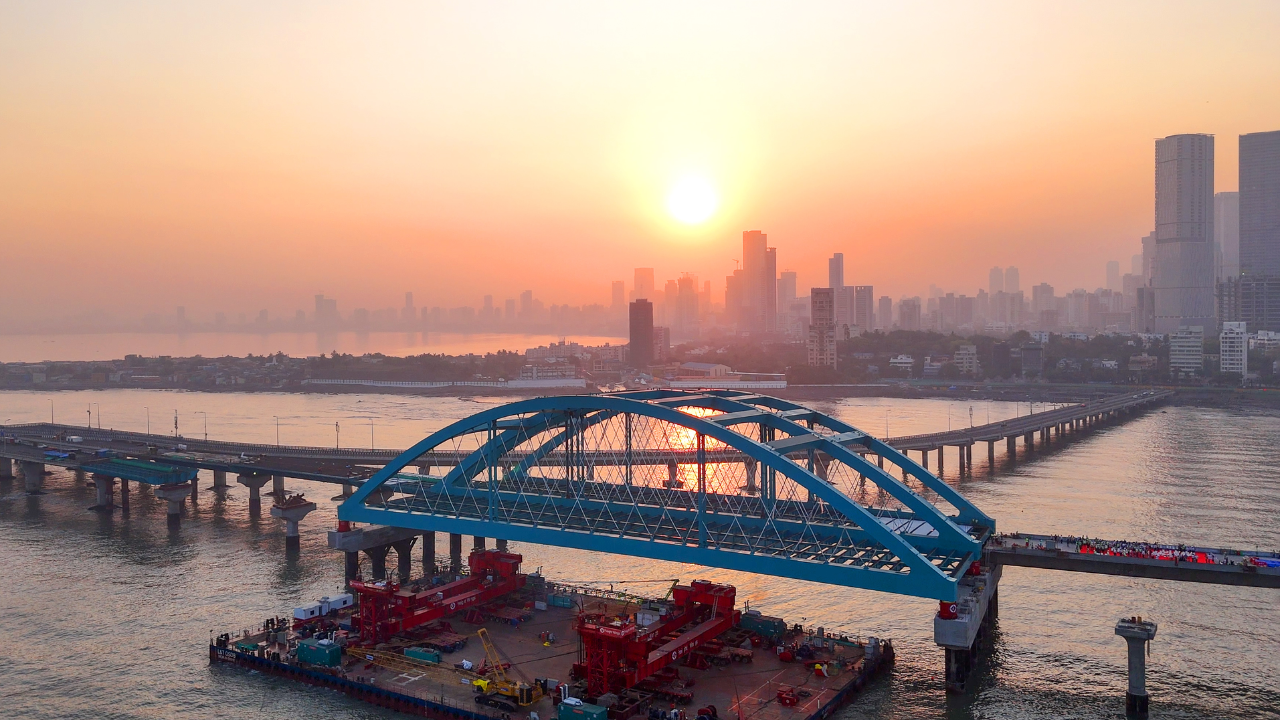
[{"x": 233, "y": 157}]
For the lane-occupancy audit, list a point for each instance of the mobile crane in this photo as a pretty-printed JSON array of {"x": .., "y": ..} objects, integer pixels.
[{"x": 497, "y": 690}]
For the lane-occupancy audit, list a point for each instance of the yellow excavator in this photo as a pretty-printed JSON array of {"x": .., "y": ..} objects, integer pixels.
[{"x": 497, "y": 690}]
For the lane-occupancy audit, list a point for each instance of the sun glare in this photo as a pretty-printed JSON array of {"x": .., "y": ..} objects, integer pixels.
[{"x": 692, "y": 200}]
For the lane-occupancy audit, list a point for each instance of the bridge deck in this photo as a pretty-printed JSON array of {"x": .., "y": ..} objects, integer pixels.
[{"x": 1111, "y": 557}]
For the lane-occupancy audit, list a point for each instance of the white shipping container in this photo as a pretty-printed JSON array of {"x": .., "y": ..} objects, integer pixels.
[{"x": 306, "y": 612}]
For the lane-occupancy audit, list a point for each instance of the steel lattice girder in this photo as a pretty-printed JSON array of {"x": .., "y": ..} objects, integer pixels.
[{"x": 829, "y": 538}]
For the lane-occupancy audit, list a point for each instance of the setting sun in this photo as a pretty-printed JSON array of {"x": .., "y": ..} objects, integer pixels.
[{"x": 692, "y": 200}]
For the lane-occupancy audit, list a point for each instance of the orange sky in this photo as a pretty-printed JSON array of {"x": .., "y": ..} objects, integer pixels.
[{"x": 237, "y": 156}]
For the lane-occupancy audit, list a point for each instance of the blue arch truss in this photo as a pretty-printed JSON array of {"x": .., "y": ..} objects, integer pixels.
[{"x": 719, "y": 478}]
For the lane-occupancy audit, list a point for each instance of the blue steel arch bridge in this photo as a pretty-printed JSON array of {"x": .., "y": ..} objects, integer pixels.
[{"x": 717, "y": 478}]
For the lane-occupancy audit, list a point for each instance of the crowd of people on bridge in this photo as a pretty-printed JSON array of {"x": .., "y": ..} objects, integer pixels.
[{"x": 1123, "y": 548}]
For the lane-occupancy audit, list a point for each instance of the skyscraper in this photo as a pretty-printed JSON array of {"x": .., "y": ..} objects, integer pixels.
[
  {"x": 884, "y": 313},
  {"x": 1260, "y": 230},
  {"x": 1011, "y": 282},
  {"x": 619, "y": 299},
  {"x": 863, "y": 312},
  {"x": 786, "y": 291},
  {"x": 822, "y": 328},
  {"x": 1113, "y": 276},
  {"x": 643, "y": 284},
  {"x": 760, "y": 282},
  {"x": 1182, "y": 274},
  {"x": 835, "y": 271},
  {"x": 641, "y": 336},
  {"x": 909, "y": 313},
  {"x": 995, "y": 280},
  {"x": 1226, "y": 234}
]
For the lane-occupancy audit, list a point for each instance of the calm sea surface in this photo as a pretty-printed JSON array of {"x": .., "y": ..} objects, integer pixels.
[
  {"x": 104, "y": 616},
  {"x": 109, "y": 346}
]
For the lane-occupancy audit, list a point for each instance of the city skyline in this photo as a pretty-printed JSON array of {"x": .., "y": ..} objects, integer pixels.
[{"x": 314, "y": 177}]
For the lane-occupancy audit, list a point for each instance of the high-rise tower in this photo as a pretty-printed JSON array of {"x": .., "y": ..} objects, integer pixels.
[{"x": 1182, "y": 273}]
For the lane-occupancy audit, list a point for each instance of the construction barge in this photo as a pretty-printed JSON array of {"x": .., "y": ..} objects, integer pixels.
[{"x": 497, "y": 644}]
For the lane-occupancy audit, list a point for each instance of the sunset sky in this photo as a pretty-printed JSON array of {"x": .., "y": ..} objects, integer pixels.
[{"x": 243, "y": 155}]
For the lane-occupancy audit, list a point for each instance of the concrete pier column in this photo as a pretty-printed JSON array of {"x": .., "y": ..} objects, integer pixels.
[
  {"x": 455, "y": 553},
  {"x": 751, "y": 466},
  {"x": 378, "y": 559},
  {"x": 880, "y": 461},
  {"x": 500, "y": 544},
  {"x": 219, "y": 479},
  {"x": 673, "y": 475},
  {"x": 1137, "y": 633},
  {"x": 254, "y": 482},
  {"x": 175, "y": 494},
  {"x": 277, "y": 485},
  {"x": 6, "y": 468},
  {"x": 1011, "y": 447},
  {"x": 404, "y": 558},
  {"x": 477, "y": 543},
  {"x": 292, "y": 514},
  {"x": 195, "y": 488},
  {"x": 924, "y": 459},
  {"x": 429, "y": 553},
  {"x": 353, "y": 565},
  {"x": 991, "y": 453},
  {"x": 959, "y": 663},
  {"x": 104, "y": 484},
  {"x": 124, "y": 495},
  {"x": 942, "y": 454},
  {"x": 79, "y": 476},
  {"x": 32, "y": 476},
  {"x": 1029, "y": 440}
]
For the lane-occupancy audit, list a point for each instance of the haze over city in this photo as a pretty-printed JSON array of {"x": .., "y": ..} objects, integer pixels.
[{"x": 242, "y": 157}]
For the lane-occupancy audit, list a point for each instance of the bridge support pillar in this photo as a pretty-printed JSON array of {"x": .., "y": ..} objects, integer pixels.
[
  {"x": 175, "y": 494},
  {"x": 404, "y": 557},
  {"x": 32, "y": 476},
  {"x": 429, "y": 553},
  {"x": 347, "y": 491},
  {"x": 991, "y": 454},
  {"x": 500, "y": 544},
  {"x": 1029, "y": 440},
  {"x": 79, "y": 476},
  {"x": 220, "y": 480},
  {"x": 292, "y": 514},
  {"x": 378, "y": 559},
  {"x": 942, "y": 454},
  {"x": 104, "y": 484},
  {"x": 924, "y": 459},
  {"x": 6, "y": 468},
  {"x": 277, "y": 485},
  {"x": 352, "y": 565},
  {"x": 455, "y": 554},
  {"x": 254, "y": 482},
  {"x": 1137, "y": 633},
  {"x": 880, "y": 461},
  {"x": 751, "y": 466},
  {"x": 124, "y": 495},
  {"x": 673, "y": 475},
  {"x": 195, "y": 488},
  {"x": 477, "y": 543}
]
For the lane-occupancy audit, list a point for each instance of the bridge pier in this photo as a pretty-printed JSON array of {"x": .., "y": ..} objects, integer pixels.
[
  {"x": 220, "y": 480},
  {"x": 429, "y": 553},
  {"x": 500, "y": 544},
  {"x": 455, "y": 554},
  {"x": 352, "y": 565},
  {"x": 991, "y": 454},
  {"x": 277, "y": 485},
  {"x": 942, "y": 454},
  {"x": 175, "y": 494},
  {"x": 32, "y": 476},
  {"x": 124, "y": 495},
  {"x": 378, "y": 559},
  {"x": 751, "y": 466},
  {"x": 477, "y": 543},
  {"x": 1137, "y": 633},
  {"x": 104, "y": 484},
  {"x": 78, "y": 475},
  {"x": 924, "y": 459},
  {"x": 404, "y": 557},
  {"x": 673, "y": 475},
  {"x": 254, "y": 482},
  {"x": 959, "y": 627},
  {"x": 292, "y": 514},
  {"x": 6, "y": 468}
]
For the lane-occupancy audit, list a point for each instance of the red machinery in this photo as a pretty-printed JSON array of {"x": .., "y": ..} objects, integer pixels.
[
  {"x": 615, "y": 653},
  {"x": 385, "y": 609}
]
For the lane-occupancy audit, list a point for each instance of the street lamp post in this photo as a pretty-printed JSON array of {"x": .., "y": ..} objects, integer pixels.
[
  {"x": 370, "y": 433},
  {"x": 205, "y": 415},
  {"x": 175, "y": 422},
  {"x": 99, "y": 415},
  {"x": 277, "y": 417},
  {"x": 336, "y": 435},
  {"x": 51, "y": 411}
]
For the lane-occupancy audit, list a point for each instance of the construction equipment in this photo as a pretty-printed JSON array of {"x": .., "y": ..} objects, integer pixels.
[
  {"x": 522, "y": 693},
  {"x": 385, "y": 609},
  {"x": 394, "y": 661}
]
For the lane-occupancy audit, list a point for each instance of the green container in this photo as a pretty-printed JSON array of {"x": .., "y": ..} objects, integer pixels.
[
  {"x": 561, "y": 601},
  {"x": 312, "y": 651},
  {"x": 583, "y": 712},
  {"x": 763, "y": 625},
  {"x": 423, "y": 654}
]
